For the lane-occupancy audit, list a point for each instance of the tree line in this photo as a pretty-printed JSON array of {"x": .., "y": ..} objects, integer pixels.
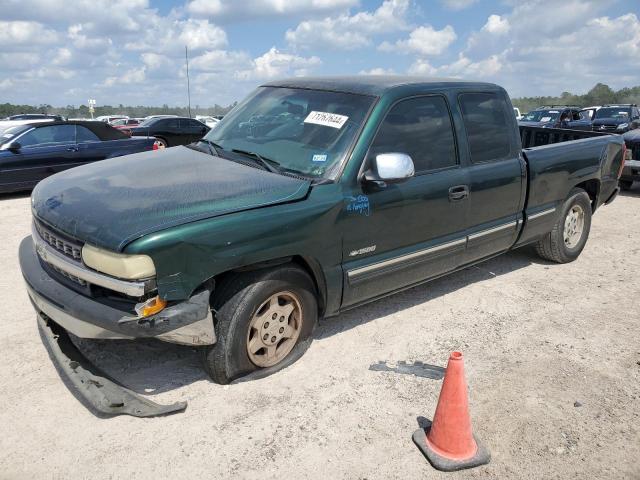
[
  {"x": 82, "y": 111},
  {"x": 599, "y": 95}
]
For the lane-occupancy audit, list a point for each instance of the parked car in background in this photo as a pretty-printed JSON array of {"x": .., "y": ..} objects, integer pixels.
[
  {"x": 110, "y": 118},
  {"x": 309, "y": 199},
  {"x": 171, "y": 131},
  {"x": 516, "y": 111},
  {"x": 631, "y": 170},
  {"x": 209, "y": 121},
  {"x": 557, "y": 116},
  {"x": 36, "y": 116},
  {"x": 126, "y": 124},
  {"x": 618, "y": 118},
  {"x": 590, "y": 111},
  {"x": 32, "y": 151}
]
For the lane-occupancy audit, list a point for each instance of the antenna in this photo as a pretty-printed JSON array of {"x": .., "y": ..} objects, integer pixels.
[{"x": 186, "y": 57}]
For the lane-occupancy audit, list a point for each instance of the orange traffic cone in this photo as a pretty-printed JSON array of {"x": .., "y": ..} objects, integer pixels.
[{"x": 449, "y": 443}]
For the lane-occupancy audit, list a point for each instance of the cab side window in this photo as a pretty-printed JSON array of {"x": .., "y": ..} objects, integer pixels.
[
  {"x": 420, "y": 127},
  {"x": 50, "y": 135},
  {"x": 83, "y": 134},
  {"x": 488, "y": 129}
]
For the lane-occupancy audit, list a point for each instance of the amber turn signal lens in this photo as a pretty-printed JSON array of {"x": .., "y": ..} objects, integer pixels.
[{"x": 150, "y": 307}]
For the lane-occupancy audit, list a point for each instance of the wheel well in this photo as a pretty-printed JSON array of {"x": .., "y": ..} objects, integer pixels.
[
  {"x": 592, "y": 187},
  {"x": 309, "y": 265}
]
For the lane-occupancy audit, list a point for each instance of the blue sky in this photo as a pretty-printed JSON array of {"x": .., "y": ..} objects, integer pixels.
[{"x": 131, "y": 51}]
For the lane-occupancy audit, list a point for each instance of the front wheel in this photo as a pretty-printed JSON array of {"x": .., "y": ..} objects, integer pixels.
[
  {"x": 569, "y": 235},
  {"x": 160, "y": 143},
  {"x": 264, "y": 321}
]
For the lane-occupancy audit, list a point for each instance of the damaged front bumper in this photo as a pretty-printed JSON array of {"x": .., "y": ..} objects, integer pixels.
[{"x": 188, "y": 323}]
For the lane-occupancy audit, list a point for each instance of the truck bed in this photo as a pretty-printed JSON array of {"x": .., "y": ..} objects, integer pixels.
[{"x": 558, "y": 160}]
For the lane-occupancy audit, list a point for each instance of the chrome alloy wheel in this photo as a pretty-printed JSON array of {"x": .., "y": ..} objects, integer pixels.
[
  {"x": 573, "y": 226},
  {"x": 274, "y": 329}
]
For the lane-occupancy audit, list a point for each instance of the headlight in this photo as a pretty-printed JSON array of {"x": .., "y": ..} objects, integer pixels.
[
  {"x": 623, "y": 126},
  {"x": 118, "y": 265}
]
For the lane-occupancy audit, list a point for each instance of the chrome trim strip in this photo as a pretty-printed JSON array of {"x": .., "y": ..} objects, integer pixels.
[
  {"x": 490, "y": 231},
  {"x": 52, "y": 256},
  {"x": 394, "y": 261},
  {"x": 76, "y": 326},
  {"x": 541, "y": 214}
]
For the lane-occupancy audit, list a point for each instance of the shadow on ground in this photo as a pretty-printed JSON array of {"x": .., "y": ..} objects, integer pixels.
[{"x": 151, "y": 366}]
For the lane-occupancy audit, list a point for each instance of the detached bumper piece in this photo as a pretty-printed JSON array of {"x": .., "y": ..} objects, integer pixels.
[{"x": 96, "y": 390}]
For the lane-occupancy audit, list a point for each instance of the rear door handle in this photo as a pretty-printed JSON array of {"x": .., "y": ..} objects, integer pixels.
[
  {"x": 72, "y": 149},
  {"x": 459, "y": 192}
]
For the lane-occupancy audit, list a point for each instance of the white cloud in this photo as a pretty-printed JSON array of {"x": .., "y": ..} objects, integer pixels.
[
  {"x": 350, "y": 32},
  {"x": 458, "y": 4},
  {"x": 496, "y": 24},
  {"x": 377, "y": 71},
  {"x": 136, "y": 75},
  {"x": 260, "y": 8},
  {"x": 278, "y": 64},
  {"x": 25, "y": 33},
  {"x": 221, "y": 62},
  {"x": 423, "y": 40}
]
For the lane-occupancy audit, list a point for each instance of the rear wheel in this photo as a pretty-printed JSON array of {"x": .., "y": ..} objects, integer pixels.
[
  {"x": 569, "y": 235},
  {"x": 264, "y": 321},
  {"x": 625, "y": 184},
  {"x": 160, "y": 143}
]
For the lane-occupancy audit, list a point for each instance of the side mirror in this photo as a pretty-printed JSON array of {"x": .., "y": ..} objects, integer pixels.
[
  {"x": 14, "y": 147},
  {"x": 390, "y": 168}
]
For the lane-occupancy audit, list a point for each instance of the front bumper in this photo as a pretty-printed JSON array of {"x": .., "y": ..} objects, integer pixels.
[{"x": 188, "y": 323}]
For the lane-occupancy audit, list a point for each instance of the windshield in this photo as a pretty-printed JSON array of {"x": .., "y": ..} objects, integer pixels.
[
  {"x": 614, "y": 112},
  {"x": 9, "y": 133},
  {"x": 306, "y": 131},
  {"x": 147, "y": 122},
  {"x": 542, "y": 116}
]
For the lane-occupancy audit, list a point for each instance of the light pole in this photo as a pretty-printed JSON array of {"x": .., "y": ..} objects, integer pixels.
[
  {"x": 92, "y": 104},
  {"x": 186, "y": 58}
]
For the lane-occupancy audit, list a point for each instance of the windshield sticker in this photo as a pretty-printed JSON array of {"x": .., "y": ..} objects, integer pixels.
[
  {"x": 554, "y": 111},
  {"x": 623, "y": 113},
  {"x": 359, "y": 205},
  {"x": 326, "y": 119},
  {"x": 545, "y": 119},
  {"x": 319, "y": 158}
]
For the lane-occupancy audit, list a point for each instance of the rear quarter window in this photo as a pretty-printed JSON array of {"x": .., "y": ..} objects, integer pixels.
[{"x": 486, "y": 122}]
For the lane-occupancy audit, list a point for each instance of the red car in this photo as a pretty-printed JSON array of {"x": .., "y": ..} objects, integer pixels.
[{"x": 125, "y": 124}]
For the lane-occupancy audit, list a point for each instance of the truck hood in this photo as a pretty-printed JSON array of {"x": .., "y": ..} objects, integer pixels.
[
  {"x": 534, "y": 124},
  {"x": 113, "y": 202},
  {"x": 632, "y": 137},
  {"x": 609, "y": 121}
]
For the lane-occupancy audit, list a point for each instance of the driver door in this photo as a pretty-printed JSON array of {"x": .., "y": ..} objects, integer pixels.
[{"x": 405, "y": 233}]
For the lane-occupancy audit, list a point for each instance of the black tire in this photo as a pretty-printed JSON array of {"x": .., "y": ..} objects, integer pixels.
[
  {"x": 625, "y": 184},
  {"x": 552, "y": 246},
  {"x": 234, "y": 304}
]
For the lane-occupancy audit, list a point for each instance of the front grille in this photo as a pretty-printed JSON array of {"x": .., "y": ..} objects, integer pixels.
[
  {"x": 67, "y": 275},
  {"x": 59, "y": 242},
  {"x": 635, "y": 152},
  {"x": 607, "y": 128}
]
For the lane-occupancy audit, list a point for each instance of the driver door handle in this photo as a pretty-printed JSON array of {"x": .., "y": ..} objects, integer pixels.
[{"x": 459, "y": 192}]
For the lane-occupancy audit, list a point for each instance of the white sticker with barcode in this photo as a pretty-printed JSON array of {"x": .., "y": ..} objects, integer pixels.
[{"x": 326, "y": 119}]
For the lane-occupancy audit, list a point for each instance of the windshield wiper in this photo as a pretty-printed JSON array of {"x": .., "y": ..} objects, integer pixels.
[
  {"x": 270, "y": 165},
  {"x": 213, "y": 147}
]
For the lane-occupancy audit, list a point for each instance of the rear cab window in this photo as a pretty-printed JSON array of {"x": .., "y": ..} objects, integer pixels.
[{"x": 487, "y": 125}]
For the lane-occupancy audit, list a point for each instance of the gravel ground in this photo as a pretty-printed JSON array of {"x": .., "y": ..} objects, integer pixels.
[{"x": 552, "y": 358}]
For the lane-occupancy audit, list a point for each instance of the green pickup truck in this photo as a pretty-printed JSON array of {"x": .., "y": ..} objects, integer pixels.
[{"x": 313, "y": 196}]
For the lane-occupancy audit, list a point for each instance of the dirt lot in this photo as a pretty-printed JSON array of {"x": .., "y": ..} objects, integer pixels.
[{"x": 537, "y": 338}]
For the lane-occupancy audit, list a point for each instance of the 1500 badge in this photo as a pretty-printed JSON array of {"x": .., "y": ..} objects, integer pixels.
[{"x": 362, "y": 251}]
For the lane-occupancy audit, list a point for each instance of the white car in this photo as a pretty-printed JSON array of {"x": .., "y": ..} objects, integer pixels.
[
  {"x": 516, "y": 110},
  {"x": 210, "y": 122},
  {"x": 111, "y": 118}
]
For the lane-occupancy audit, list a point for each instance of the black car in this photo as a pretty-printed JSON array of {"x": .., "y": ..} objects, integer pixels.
[
  {"x": 557, "y": 116},
  {"x": 171, "y": 131},
  {"x": 631, "y": 169},
  {"x": 619, "y": 118},
  {"x": 30, "y": 152},
  {"x": 36, "y": 116}
]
